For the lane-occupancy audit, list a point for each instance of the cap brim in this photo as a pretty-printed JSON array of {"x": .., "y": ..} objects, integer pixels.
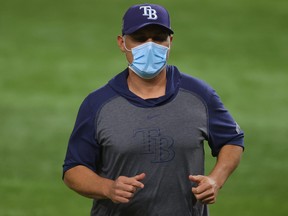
[{"x": 135, "y": 28}]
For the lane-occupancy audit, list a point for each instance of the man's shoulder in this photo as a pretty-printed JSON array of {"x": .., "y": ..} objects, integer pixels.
[
  {"x": 100, "y": 96},
  {"x": 195, "y": 85},
  {"x": 102, "y": 91},
  {"x": 190, "y": 81}
]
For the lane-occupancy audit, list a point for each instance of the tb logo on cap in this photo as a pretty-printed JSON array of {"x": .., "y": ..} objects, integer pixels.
[{"x": 148, "y": 11}]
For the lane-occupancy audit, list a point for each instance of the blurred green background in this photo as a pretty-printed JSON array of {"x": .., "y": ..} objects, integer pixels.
[{"x": 53, "y": 53}]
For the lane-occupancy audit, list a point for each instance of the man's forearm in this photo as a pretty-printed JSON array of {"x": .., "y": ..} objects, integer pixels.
[
  {"x": 227, "y": 161},
  {"x": 87, "y": 183}
]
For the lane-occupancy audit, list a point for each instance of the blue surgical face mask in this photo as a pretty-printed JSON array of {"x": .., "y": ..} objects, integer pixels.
[{"x": 148, "y": 59}]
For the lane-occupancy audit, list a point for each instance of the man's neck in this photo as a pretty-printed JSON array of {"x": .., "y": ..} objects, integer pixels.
[{"x": 147, "y": 88}]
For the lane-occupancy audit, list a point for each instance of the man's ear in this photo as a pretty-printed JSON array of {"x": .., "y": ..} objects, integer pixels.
[
  {"x": 120, "y": 42},
  {"x": 171, "y": 39}
]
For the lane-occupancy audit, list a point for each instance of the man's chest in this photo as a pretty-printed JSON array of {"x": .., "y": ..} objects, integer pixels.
[{"x": 157, "y": 133}]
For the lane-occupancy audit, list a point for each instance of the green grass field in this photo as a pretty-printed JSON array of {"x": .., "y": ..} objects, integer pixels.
[{"x": 53, "y": 53}]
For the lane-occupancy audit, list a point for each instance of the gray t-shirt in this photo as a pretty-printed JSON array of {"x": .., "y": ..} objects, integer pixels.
[{"x": 118, "y": 134}]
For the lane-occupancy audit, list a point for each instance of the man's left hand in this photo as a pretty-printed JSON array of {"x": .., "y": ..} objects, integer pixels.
[{"x": 206, "y": 190}]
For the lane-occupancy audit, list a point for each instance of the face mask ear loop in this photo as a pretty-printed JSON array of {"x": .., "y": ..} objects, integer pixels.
[
  {"x": 169, "y": 42},
  {"x": 125, "y": 44}
]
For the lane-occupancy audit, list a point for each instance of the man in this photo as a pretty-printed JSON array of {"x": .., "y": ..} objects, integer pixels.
[{"x": 137, "y": 144}]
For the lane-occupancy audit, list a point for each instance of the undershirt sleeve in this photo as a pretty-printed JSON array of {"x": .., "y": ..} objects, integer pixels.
[
  {"x": 222, "y": 127},
  {"x": 83, "y": 148}
]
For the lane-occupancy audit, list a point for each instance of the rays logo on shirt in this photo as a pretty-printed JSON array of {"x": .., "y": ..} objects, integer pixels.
[{"x": 152, "y": 142}]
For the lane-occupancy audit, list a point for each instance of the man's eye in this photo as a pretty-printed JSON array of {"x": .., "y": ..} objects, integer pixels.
[
  {"x": 140, "y": 39},
  {"x": 159, "y": 39}
]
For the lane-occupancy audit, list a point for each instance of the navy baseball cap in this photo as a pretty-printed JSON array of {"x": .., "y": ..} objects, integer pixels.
[{"x": 138, "y": 16}]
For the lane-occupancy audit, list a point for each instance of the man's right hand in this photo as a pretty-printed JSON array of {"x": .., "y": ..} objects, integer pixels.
[{"x": 123, "y": 188}]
